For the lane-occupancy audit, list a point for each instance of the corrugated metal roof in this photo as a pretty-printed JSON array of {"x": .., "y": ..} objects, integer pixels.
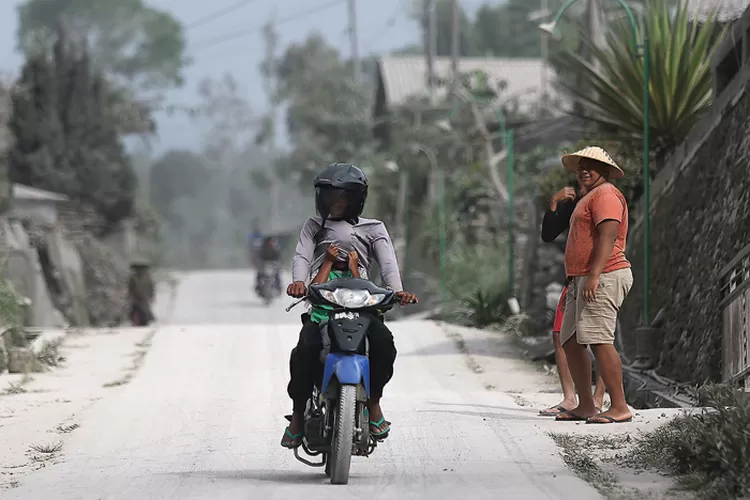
[
  {"x": 406, "y": 76},
  {"x": 726, "y": 10},
  {"x": 23, "y": 192}
]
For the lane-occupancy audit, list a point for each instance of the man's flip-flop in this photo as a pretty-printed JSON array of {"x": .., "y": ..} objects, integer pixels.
[
  {"x": 375, "y": 429},
  {"x": 572, "y": 417},
  {"x": 606, "y": 419},
  {"x": 550, "y": 412},
  {"x": 291, "y": 441}
]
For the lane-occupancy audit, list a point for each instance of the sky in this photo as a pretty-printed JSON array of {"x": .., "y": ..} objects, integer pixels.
[{"x": 383, "y": 25}]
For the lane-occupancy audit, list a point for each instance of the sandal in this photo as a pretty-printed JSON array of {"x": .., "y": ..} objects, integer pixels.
[
  {"x": 550, "y": 412},
  {"x": 291, "y": 441},
  {"x": 606, "y": 419},
  {"x": 377, "y": 431},
  {"x": 569, "y": 416}
]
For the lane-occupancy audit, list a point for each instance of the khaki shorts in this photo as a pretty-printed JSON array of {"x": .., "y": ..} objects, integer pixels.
[{"x": 595, "y": 322}]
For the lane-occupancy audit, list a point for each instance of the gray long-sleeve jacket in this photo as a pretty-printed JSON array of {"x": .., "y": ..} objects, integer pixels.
[{"x": 368, "y": 237}]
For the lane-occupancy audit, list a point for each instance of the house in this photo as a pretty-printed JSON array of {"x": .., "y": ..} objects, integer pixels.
[
  {"x": 29, "y": 202},
  {"x": 727, "y": 11},
  {"x": 400, "y": 79}
]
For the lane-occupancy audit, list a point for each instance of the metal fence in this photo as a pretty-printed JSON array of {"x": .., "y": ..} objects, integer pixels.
[{"x": 735, "y": 303}]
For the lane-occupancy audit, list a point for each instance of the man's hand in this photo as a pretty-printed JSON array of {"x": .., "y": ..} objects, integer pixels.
[
  {"x": 332, "y": 253},
  {"x": 566, "y": 193},
  {"x": 590, "y": 284},
  {"x": 407, "y": 298},
  {"x": 297, "y": 289},
  {"x": 353, "y": 262}
]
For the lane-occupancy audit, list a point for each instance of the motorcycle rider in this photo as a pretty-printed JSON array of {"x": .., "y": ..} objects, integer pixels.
[
  {"x": 340, "y": 195},
  {"x": 270, "y": 253}
]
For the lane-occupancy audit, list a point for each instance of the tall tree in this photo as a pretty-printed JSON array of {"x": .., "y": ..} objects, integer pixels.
[
  {"x": 63, "y": 136},
  {"x": 680, "y": 87},
  {"x": 142, "y": 45}
]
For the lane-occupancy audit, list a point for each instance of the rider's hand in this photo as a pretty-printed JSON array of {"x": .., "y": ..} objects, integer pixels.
[
  {"x": 565, "y": 194},
  {"x": 353, "y": 261},
  {"x": 296, "y": 289},
  {"x": 407, "y": 298},
  {"x": 332, "y": 253}
]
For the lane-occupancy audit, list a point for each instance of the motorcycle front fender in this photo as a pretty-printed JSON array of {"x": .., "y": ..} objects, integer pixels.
[{"x": 349, "y": 369}]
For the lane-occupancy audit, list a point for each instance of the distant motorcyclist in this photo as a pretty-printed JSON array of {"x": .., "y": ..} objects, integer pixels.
[
  {"x": 254, "y": 244},
  {"x": 340, "y": 195},
  {"x": 269, "y": 253}
]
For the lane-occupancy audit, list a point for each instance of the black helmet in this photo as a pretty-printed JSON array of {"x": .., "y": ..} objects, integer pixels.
[{"x": 341, "y": 180}]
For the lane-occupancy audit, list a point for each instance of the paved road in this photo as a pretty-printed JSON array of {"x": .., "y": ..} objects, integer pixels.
[{"x": 203, "y": 417}]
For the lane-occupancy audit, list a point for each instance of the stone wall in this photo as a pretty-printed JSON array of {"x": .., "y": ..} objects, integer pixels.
[{"x": 700, "y": 220}]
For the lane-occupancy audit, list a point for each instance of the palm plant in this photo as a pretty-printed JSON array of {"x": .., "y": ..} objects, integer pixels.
[{"x": 680, "y": 89}]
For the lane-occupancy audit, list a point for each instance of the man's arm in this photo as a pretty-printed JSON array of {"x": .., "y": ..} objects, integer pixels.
[
  {"x": 303, "y": 254},
  {"x": 385, "y": 255},
  {"x": 604, "y": 244},
  {"x": 555, "y": 222},
  {"x": 607, "y": 212}
]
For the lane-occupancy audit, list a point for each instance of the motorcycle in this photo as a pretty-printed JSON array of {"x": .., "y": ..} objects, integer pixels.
[
  {"x": 267, "y": 287},
  {"x": 336, "y": 422}
]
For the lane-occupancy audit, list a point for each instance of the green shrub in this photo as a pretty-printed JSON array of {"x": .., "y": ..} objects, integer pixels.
[{"x": 710, "y": 450}]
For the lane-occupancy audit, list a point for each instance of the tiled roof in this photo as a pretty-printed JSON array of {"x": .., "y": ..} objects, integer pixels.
[
  {"x": 406, "y": 76},
  {"x": 727, "y": 10}
]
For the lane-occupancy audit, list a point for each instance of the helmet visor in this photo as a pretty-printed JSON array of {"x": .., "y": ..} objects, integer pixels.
[{"x": 334, "y": 200}]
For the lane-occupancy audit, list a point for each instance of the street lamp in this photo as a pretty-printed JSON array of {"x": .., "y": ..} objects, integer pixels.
[
  {"x": 639, "y": 51},
  {"x": 509, "y": 153},
  {"x": 417, "y": 147}
]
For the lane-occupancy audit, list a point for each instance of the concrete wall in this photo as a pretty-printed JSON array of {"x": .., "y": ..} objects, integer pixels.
[
  {"x": 25, "y": 272},
  {"x": 38, "y": 209}
]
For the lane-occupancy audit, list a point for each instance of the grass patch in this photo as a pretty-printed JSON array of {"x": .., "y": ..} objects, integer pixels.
[
  {"x": 18, "y": 387},
  {"x": 47, "y": 448},
  {"x": 49, "y": 354},
  {"x": 66, "y": 429},
  {"x": 708, "y": 451},
  {"x": 576, "y": 456}
]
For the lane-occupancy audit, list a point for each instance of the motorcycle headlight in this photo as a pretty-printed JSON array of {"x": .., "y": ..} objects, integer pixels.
[{"x": 353, "y": 299}]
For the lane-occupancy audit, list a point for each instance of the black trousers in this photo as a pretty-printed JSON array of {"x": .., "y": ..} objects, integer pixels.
[{"x": 306, "y": 368}]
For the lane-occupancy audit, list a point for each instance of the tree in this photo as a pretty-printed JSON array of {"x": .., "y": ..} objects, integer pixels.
[
  {"x": 680, "y": 88},
  {"x": 64, "y": 138},
  {"x": 142, "y": 45},
  {"x": 328, "y": 112}
]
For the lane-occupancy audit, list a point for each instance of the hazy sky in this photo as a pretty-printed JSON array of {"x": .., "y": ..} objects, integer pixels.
[{"x": 383, "y": 26}]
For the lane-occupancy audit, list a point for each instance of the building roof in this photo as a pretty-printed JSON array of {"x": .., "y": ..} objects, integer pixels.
[
  {"x": 726, "y": 10},
  {"x": 23, "y": 192},
  {"x": 406, "y": 76}
]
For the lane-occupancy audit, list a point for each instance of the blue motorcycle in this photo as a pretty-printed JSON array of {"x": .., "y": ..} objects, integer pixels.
[{"x": 336, "y": 418}]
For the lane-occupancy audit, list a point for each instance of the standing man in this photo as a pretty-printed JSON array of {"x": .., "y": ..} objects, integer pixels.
[
  {"x": 599, "y": 279},
  {"x": 557, "y": 221}
]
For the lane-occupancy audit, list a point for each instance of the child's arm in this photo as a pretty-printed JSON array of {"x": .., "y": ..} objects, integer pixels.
[
  {"x": 332, "y": 253},
  {"x": 354, "y": 264}
]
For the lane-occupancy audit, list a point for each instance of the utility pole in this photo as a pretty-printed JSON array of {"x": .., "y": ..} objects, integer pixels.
[
  {"x": 353, "y": 39},
  {"x": 455, "y": 41},
  {"x": 430, "y": 44},
  {"x": 269, "y": 78},
  {"x": 545, "y": 59}
]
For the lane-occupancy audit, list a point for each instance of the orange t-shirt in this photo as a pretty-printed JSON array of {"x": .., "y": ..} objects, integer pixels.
[{"x": 605, "y": 202}]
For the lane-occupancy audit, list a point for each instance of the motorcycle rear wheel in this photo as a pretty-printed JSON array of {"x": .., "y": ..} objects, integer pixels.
[{"x": 341, "y": 447}]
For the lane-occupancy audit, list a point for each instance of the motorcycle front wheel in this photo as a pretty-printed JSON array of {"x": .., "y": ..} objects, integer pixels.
[{"x": 343, "y": 437}]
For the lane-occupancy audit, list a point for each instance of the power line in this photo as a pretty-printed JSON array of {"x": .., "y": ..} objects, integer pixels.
[
  {"x": 241, "y": 34},
  {"x": 389, "y": 24},
  {"x": 219, "y": 13}
]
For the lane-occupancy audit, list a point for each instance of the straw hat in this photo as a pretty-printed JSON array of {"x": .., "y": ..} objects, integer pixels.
[{"x": 572, "y": 160}]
